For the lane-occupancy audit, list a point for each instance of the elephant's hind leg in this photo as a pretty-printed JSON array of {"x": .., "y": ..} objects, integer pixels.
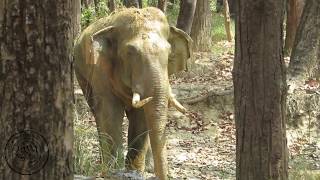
[{"x": 138, "y": 140}]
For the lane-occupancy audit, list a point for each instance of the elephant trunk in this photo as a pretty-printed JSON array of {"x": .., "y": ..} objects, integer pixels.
[{"x": 156, "y": 119}]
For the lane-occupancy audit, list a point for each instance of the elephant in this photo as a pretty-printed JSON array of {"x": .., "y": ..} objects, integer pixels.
[{"x": 122, "y": 63}]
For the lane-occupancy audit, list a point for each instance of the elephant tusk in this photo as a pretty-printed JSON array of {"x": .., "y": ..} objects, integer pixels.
[
  {"x": 177, "y": 105},
  {"x": 137, "y": 103}
]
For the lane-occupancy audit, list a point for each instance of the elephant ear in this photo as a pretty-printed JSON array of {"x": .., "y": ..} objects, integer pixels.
[
  {"x": 181, "y": 50},
  {"x": 100, "y": 45}
]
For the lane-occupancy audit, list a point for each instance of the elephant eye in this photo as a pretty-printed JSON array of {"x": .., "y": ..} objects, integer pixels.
[
  {"x": 109, "y": 42},
  {"x": 131, "y": 49}
]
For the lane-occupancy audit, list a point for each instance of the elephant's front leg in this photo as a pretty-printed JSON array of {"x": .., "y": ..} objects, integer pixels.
[
  {"x": 138, "y": 140},
  {"x": 109, "y": 117}
]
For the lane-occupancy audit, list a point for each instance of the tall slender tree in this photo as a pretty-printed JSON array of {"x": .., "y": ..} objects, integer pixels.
[
  {"x": 305, "y": 57},
  {"x": 36, "y": 122},
  {"x": 294, "y": 11},
  {"x": 186, "y": 14},
  {"x": 112, "y": 5},
  {"x": 227, "y": 20},
  {"x": 162, "y": 4},
  {"x": 133, "y": 3},
  {"x": 260, "y": 91},
  {"x": 201, "y": 26}
]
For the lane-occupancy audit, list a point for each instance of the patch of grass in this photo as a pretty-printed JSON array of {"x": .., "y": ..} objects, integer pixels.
[
  {"x": 87, "y": 159},
  {"x": 304, "y": 174},
  {"x": 302, "y": 168},
  {"x": 87, "y": 151},
  {"x": 218, "y": 28}
]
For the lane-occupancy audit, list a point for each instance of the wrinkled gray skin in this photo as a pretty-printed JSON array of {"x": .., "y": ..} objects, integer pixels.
[{"x": 120, "y": 61}]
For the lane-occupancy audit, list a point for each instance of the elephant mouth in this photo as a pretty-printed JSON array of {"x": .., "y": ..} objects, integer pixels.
[{"x": 137, "y": 103}]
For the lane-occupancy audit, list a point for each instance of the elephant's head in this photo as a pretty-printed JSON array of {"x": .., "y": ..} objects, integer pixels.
[{"x": 139, "y": 50}]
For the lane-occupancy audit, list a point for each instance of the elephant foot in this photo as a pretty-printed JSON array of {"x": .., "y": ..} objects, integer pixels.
[
  {"x": 136, "y": 163},
  {"x": 149, "y": 162}
]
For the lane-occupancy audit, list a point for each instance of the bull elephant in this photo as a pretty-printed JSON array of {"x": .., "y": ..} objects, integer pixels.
[{"x": 122, "y": 63}]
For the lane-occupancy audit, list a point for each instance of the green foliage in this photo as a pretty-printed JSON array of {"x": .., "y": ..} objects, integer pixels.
[
  {"x": 173, "y": 12},
  {"x": 218, "y": 27},
  {"x": 92, "y": 13}
]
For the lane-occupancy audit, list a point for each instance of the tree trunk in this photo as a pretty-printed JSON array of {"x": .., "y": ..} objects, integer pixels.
[
  {"x": 232, "y": 8},
  {"x": 132, "y": 3},
  {"x": 227, "y": 20},
  {"x": 36, "y": 115},
  {"x": 186, "y": 14},
  {"x": 140, "y": 4},
  {"x": 162, "y": 4},
  {"x": 86, "y": 3},
  {"x": 260, "y": 91},
  {"x": 305, "y": 57},
  {"x": 77, "y": 18},
  {"x": 294, "y": 11},
  {"x": 96, "y": 5},
  {"x": 219, "y": 5},
  {"x": 112, "y": 5},
  {"x": 201, "y": 26}
]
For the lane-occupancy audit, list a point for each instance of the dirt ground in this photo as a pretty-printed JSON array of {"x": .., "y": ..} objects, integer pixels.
[{"x": 202, "y": 144}]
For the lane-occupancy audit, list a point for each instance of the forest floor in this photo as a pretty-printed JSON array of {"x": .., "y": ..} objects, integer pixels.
[{"x": 202, "y": 145}]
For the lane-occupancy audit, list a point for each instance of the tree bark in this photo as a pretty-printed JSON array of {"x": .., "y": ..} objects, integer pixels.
[
  {"x": 77, "y": 18},
  {"x": 305, "y": 57},
  {"x": 162, "y": 4},
  {"x": 36, "y": 115},
  {"x": 260, "y": 91},
  {"x": 294, "y": 11},
  {"x": 132, "y": 3},
  {"x": 201, "y": 26},
  {"x": 112, "y": 5},
  {"x": 96, "y": 5},
  {"x": 232, "y": 7},
  {"x": 186, "y": 14},
  {"x": 86, "y": 3},
  {"x": 227, "y": 20}
]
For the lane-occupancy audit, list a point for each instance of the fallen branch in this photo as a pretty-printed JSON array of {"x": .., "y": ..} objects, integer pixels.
[{"x": 193, "y": 100}]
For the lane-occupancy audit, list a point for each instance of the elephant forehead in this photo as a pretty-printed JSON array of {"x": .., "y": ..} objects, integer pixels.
[
  {"x": 155, "y": 40},
  {"x": 143, "y": 27}
]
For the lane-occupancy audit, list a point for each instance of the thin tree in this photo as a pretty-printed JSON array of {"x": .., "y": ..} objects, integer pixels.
[
  {"x": 227, "y": 20},
  {"x": 133, "y": 3},
  {"x": 232, "y": 7},
  {"x": 260, "y": 91},
  {"x": 305, "y": 57},
  {"x": 36, "y": 121},
  {"x": 294, "y": 11},
  {"x": 186, "y": 14},
  {"x": 201, "y": 26},
  {"x": 112, "y": 5},
  {"x": 162, "y": 4},
  {"x": 86, "y": 3}
]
